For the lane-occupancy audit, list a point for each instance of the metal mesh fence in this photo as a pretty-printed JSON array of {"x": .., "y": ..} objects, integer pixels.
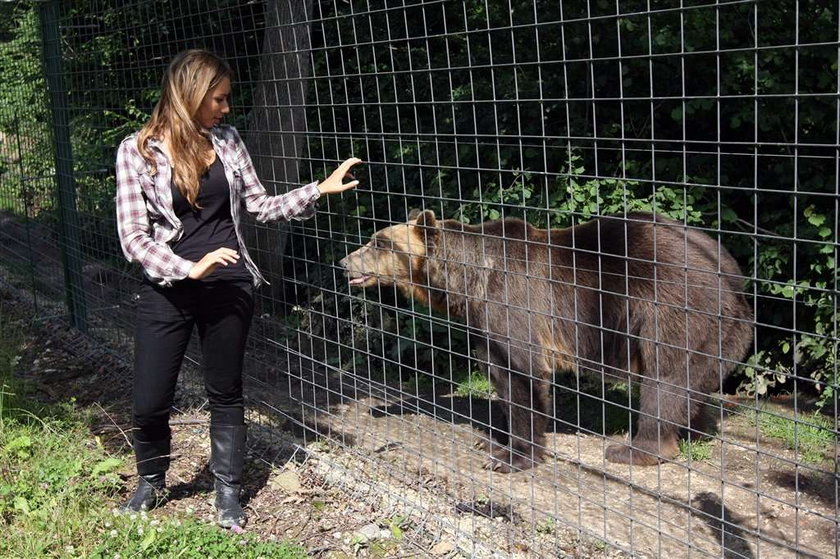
[{"x": 519, "y": 347}]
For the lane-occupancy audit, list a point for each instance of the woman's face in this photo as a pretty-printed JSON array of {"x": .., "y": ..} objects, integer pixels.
[{"x": 215, "y": 105}]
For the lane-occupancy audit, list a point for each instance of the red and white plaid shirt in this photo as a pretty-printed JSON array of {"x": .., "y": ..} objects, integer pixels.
[{"x": 146, "y": 222}]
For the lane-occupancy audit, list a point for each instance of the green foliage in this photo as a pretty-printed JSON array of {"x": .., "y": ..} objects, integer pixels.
[
  {"x": 53, "y": 473},
  {"x": 577, "y": 195},
  {"x": 547, "y": 526},
  {"x": 809, "y": 302},
  {"x": 397, "y": 525},
  {"x": 49, "y": 477},
  {"x": 26, "y": 153},
  {"x": 762, "y": 373},
  {"x": 56, "y": 485},
  {"x": 23, "y": 96}
]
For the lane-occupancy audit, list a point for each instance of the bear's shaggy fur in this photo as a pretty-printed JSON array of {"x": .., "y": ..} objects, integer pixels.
[{"x": 640, "y": 297}]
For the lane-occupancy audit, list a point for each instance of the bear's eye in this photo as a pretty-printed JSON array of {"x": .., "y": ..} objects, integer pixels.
[{"x": 380, "y": 243}]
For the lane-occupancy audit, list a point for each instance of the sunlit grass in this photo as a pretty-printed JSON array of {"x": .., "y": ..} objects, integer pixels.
[
  {"x": 811, "y": 435},
  {"x": 476, "y": 385}
]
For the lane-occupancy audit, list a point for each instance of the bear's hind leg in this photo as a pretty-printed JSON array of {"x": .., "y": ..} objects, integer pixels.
[
  {"x": 663, "y": 408},
  {"x": 707, "y": 376},
  {"x": 702, "y": 423}
]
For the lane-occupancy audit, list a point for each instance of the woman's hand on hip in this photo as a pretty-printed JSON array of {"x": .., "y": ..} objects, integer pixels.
[
  {"x": 334, "y": 183},
  {"x": 219, "y": 257}
]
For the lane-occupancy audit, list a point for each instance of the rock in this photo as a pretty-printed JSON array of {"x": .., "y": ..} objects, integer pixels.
[
  {"x": 369, "y": 532},
  {"x": 288, "y": 482}
]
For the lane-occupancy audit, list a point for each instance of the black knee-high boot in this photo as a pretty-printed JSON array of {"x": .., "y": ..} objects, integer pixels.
[
  {"x": 152, "y": 462},
  {"x": 226, "y": 463}
]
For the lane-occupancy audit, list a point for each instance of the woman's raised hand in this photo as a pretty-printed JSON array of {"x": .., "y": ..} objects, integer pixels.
[
  {"x": 333, "y": 184},
  {"x": 219, "y": 257}
]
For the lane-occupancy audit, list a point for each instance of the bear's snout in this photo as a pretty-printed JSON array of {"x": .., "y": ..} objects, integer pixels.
[
  {"x": 354, "y": 269},
  {"x": 352, "y": 262}
]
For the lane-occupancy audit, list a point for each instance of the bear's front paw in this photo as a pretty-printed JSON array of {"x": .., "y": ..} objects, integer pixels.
[
  {"x": 490, "y": 442},
  {"x": 504, "y": 460},
  {"x": 503, "y": 466},
  {"x": 623, "y": 454},
  {"x": 483, "y": 444}
]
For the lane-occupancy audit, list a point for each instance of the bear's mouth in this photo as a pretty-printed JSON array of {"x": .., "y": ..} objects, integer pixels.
[{"x": 356, "y": 280}]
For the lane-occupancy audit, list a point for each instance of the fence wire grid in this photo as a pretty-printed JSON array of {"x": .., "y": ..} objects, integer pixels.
[{"x": 719, "y": 115}]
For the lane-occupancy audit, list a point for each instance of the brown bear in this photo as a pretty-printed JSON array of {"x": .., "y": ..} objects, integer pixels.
[{"x": 640, "y": 297}]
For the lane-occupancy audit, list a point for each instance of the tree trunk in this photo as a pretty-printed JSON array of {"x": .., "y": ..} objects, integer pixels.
[{"x": 276, "y": 137}]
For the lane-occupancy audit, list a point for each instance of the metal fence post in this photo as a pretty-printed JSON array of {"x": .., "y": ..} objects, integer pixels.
[{"x": 68, "y": 216}]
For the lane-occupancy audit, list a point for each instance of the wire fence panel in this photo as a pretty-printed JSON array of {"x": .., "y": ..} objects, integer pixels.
[{"x": 610, "y": 327}]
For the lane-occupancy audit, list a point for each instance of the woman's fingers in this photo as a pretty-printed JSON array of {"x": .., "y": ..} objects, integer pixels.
[
  {"x": 209, "y": 262},
  {"x": 225, "y": 251},
  {"x": 225, "y": 256},
  {"x": 334, "y": 183},
  {"x": 347, "y": 164}
]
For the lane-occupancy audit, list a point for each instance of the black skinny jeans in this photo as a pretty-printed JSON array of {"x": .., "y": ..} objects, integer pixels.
[{"x": 222, "y": 311}]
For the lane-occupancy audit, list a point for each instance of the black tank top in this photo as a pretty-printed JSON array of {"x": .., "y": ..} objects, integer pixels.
[{"x": 210, "y": 226}]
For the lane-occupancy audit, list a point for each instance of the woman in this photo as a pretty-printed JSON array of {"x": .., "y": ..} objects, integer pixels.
[{"x": 181, "y": 181}]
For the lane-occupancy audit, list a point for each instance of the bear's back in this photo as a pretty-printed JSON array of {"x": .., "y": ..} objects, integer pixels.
[
  {"x": 608, "y": 251},
  {"x": 608, "y": 275}
]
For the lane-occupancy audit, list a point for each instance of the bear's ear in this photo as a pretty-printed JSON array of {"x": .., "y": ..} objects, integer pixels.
[
  {"x": 413, "y": 213},
  {"x": 425, "y": 218},
  {"x": 426, "y": 224}
]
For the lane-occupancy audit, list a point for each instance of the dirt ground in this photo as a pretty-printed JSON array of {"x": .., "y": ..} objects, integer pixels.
[
  {"x": 751, "y": 498},
  {"x": 399, "y": 476}
]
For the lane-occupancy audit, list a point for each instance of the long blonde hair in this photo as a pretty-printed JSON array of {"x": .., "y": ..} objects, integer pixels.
[{"x": 190, "y": 75}]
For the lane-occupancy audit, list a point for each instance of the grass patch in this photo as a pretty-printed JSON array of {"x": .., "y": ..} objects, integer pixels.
[
  {"x": 695, "y": 451},
  {"x": 54, "y": 481},
  {"x": 811, "y": 436},
  {"x": 59, "y": 485},
  {"x": 143, "y": 535},
  {"x": 476, "y": 385}
]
